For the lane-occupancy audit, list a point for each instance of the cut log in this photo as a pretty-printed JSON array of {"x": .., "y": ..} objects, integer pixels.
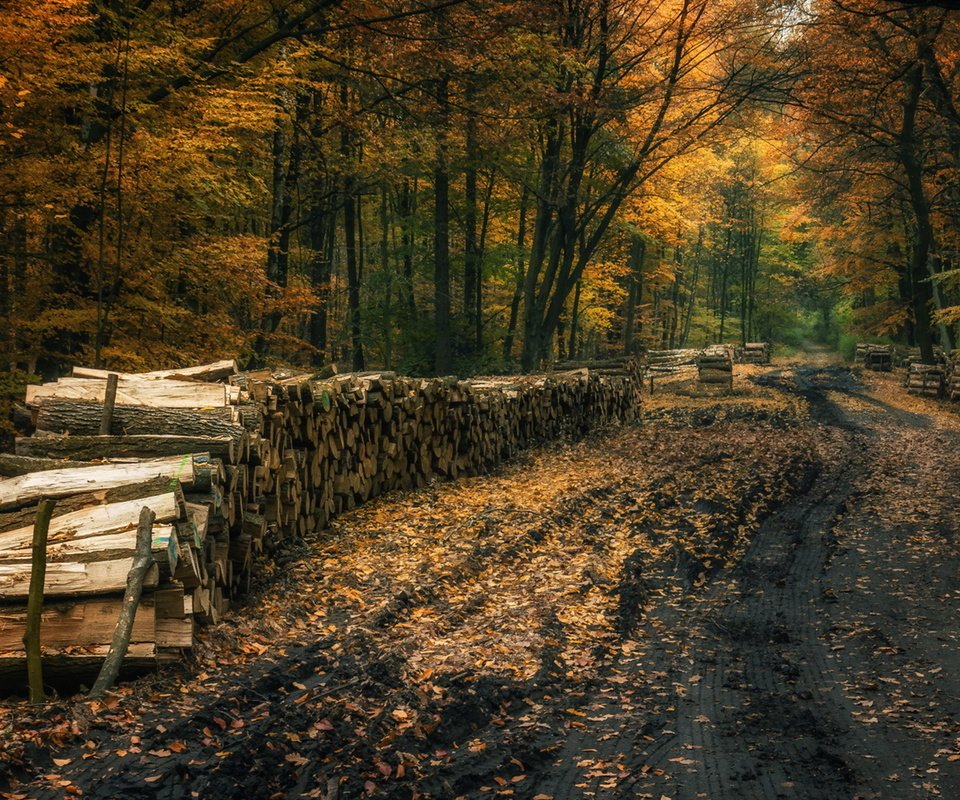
[
  {"x": 12, "y": 466},
  {"x": 98, "y": 520},
  {"x": 86, "y": 448},
  {"x": 217, "y": 371},
  {"x": 83, "y": 419},
  {"x": 71, "y": 578},
  {"x": 18, "y": 492},
  {"x": 11, "y": 520},
  {"x": 134, "y": 392},
  {"x": 75, "y": 625},
  {"x": 119, "y": 544}
]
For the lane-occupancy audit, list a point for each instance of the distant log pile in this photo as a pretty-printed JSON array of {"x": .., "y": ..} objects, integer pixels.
[
  {"x": 753, "y": 353},
  {"x": 912, "y": 356},
  {"x": 876, "y": 357},
  {"x": 715, "y": 365},
  {"x": 233, "y": 469},
  {"x": 952, "y": 387},
  {"x": 926, "y": 379},
  {"x": 671, "y": 361}
]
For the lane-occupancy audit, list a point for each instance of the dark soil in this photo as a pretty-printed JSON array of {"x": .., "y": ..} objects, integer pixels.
[{"x": 735, "y": 604}]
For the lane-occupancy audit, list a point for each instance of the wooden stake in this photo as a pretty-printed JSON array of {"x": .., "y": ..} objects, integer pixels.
[
  {"x": 109, "y": 401},
  {"x": 121, "y": 634},
  {"x": 31, "y": 634}
]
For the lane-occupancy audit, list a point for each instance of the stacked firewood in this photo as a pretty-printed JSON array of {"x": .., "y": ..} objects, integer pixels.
[
  {"x": 912, "y": 356},
  {"x": 926, "y": 379},
  {"x": 952, "y": 388},
  {"x": 876, "y": 357},
  {"x": 753, "y": 353},
  {"x": 234, "y": 465},
  {"x": 715, "y": 365},
  {"x": 669, "y": 361}
]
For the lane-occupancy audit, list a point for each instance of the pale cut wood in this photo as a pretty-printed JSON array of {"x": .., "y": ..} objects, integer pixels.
[
  {"x": 119, "y": 544},
  {"x": 71, "y": 578},
  {"x": 134, "y": 392},
  {"x": 81, "y": 624},
  {"x": 174, "y": 632},
  {"x": 216, "y": 371},
  {"x": 11, "y": 520},
  {"x": 97, "y": 520},
  {"x": 18, "y": 492},
  {"x": 143, "y": 446}
]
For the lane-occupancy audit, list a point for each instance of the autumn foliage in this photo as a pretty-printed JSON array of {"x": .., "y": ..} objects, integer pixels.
[{"x": 468, "y": 186}]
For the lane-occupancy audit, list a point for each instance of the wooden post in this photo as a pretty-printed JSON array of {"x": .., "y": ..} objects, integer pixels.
[
  {"x": 31, "y": 634},
  {"x": 109, "y": 401},
  {"x": 121, "y": 634}
]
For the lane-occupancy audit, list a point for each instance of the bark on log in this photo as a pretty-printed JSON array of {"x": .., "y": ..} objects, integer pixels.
[
  {"x": 98, "y": 520},
  {"x": 134, "y": 392},
  {"x": 12, "y": 466},
  {"x": 73, "y": 579},
  {"x": 11, "y": 520},
  {"x": 216, "y": 371},
  {"x": 18, "y": 492},
  {"x": 121, "y": 637},
  {"x": 109, "y": 403},
  {"x": 83, "y": 419},
  {"x": 84, "y": 448}
]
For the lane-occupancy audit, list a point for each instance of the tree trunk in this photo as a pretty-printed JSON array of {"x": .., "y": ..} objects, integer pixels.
[
  {"x": 443, "y": 357},
  {"x": 925, "y": 288},
  {"x": 471, "y": 255},
  {"x": 637, "y": 251},
  {"x": 520, "y": 277}
]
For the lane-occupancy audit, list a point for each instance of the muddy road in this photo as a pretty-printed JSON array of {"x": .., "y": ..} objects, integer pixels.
[{"x": 756, "y": 597}]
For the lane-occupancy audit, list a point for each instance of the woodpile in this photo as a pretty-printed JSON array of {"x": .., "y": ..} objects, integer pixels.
[
  {"x": 876, "y": 357},
  {"x": 912, "y": 356},
  {"x": 671, "y": 361},
  {"x": 233, "y": 469},
  {"x": 952, "y": 388},
  {"x": 753, "y": 353},
  {"x": 926, "y": 379},
  {"x": 715, "y": 365}
]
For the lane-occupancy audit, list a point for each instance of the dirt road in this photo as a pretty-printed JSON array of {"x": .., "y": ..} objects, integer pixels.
[{"x": 753, "y": 598}]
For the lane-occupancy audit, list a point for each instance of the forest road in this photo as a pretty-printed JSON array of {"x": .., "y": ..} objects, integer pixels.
[
  {"x": 825, "y": 664},
  {"x": 731, "y": 606}
]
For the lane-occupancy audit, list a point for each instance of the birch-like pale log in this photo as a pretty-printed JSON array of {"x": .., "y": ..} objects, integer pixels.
[
  {"x": 133, "y": 391},
  {"x": 26, "y": 489},
  {"x": 216, "y": 371},
  {"x": 119, "y": 544},
  {"x": 72, "y": 579},
  {"x": 96, "y": 521}
]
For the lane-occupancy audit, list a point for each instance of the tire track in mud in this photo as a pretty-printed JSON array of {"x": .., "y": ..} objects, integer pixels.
[{"x": 760, "y": 712}]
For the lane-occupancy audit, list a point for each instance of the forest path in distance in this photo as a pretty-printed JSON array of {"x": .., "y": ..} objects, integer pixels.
[{"x": 744, "y": 597}]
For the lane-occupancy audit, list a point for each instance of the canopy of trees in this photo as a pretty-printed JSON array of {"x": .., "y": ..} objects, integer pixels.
[{"x": 470, "y": 185}]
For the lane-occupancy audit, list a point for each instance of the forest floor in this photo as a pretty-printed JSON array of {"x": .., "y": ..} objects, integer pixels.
[{"x": 753, "y": 596}]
